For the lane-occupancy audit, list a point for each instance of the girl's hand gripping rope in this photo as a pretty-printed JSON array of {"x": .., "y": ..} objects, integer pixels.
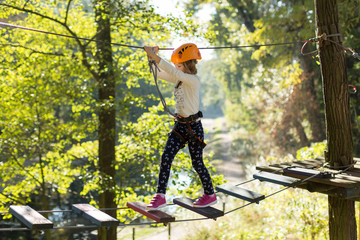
[{"x": 152, "y": 52}]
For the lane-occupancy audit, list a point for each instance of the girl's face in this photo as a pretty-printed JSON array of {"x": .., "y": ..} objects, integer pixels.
[{"x": 179, "y": 66}]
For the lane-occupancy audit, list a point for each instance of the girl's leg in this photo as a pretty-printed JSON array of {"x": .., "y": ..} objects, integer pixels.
[
  {"x": 173, "y": 145},
  {"x": 196, "y": 153}
]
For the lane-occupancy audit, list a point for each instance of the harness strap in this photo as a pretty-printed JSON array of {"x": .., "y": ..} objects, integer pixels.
[
  {"x": 181, "y": 137},
  {"x": 191, "y": 118},
  {"x": 200, "y": 142}
]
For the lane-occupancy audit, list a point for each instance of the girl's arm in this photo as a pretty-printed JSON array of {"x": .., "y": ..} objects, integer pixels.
[
  {"x": 188, "y": 79},
  {"x": 171, "y": 73},
  {"x": 153, "y": 55}
]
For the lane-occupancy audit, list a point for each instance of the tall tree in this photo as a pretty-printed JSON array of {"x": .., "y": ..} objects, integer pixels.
[
  {"x": 342, "y": 224},
  {"x": 107, "y": 118}
]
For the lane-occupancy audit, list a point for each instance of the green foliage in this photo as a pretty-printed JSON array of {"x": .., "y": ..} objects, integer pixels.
[{"x": 314, "y": 151}]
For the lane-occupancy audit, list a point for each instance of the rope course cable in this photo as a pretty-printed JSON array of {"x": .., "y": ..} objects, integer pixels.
[
  {"x": 323, "y": 37},
  {"x": 138, "y": 47}
]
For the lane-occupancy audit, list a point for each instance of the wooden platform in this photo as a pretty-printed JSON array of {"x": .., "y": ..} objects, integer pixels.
[
  {"x": 345, "y": 185},
  {"x": 276, "y": 179},
  {"x": 31, "y": 218},
  {"x": 208, "y": 212},
  {"x": 308, "y": 172},
  {"x": 155, "y": 215},
  {"x": 240, "y": 192},
  {"x": 94, "y": 215}
]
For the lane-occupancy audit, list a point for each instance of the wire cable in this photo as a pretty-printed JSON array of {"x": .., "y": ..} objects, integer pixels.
[
  {"x": 132, "y": 46},
  {"x": 323, "y": 37}
]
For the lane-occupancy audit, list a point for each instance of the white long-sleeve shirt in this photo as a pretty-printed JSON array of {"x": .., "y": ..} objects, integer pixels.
[{"x": 187, "y": 94}]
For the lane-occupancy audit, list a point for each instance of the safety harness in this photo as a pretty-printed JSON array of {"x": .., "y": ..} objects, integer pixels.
[
  {"x": 178, "y": 118},
  {"x": 188, "y": 121}
]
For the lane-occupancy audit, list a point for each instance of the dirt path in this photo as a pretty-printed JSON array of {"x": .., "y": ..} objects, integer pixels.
[{"x": 228, "y": 165}]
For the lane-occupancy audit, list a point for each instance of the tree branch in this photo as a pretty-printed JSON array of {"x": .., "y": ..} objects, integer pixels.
[
  {"x": 67, "y": 11},
  {"x": 32, "y": 50},
  {"x": 82, "y": 47},
  {"x": 13, "y": 199},
  {"x": 23, "y": 168},
  {"x": 26, "y": 3},
  {"x": 93, "y": 38}
]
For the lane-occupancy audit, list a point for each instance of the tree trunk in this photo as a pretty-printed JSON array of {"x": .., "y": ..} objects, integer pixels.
[
  {"x": 342, "y": 224},
  {"x": 107, "y": 128}
]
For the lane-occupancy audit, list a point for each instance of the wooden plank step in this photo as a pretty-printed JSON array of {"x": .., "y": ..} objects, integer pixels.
[
  {"x": 240, "y": 192},
  {"x": 94, "y": 215},
  {"x": 307, "y": 172},
  {"x": 156, "y": 215},
  {"x": 208, "y": 212},
  {"x": 31, "y": 218},
  {"x": 275, "y": 178}
]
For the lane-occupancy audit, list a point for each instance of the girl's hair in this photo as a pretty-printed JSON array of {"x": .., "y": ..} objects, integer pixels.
[{"x": 190, "y": 66}]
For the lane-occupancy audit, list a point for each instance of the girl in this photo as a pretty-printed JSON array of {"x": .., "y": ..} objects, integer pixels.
[{"x": 188, "y": 127}]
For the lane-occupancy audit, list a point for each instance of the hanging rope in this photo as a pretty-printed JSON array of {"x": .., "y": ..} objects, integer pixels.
[{"x": 154, "y": 70}]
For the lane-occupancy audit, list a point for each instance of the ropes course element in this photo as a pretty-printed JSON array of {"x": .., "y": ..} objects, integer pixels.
[
  {"x": 320, "y": 38},
  {"x": 132, "y": 46},
  {"x": 292, "y": 185},
  {"x": 354, "y": 89},
  {"x": 64, "y": 35},
  {"x": 323, "y": 37}
]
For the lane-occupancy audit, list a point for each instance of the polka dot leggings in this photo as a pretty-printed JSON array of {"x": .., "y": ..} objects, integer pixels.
[{"x": 174, "y": 144}]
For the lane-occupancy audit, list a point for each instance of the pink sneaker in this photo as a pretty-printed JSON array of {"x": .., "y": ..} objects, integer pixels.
[
  {"x": 157, "y": 202},
  {"x": 205, "y": 201}
]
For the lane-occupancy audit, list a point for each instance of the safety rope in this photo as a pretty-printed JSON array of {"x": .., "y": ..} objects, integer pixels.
[{"x": 154, "y": 70}]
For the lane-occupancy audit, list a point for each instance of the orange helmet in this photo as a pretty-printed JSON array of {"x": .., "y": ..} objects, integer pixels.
[{"x": 185, "y": 53}]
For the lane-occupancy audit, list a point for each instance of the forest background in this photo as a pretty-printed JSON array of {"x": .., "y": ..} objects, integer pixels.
[{"x": 51, "y": 96}]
